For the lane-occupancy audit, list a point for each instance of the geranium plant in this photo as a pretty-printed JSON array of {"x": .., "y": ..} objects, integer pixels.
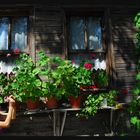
[
  {"x": 48, "y": 69},
  {"x": 74, "y": 77},
  {"x": 25, "y": 84}
]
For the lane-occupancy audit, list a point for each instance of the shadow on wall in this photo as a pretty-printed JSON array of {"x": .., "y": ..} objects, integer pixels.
[{"x": 124, "y": 42}]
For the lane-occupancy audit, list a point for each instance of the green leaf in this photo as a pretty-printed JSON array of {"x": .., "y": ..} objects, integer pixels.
[
  {"x": 134, "y": 120},
  {"x": 138, "y": 76},
  {"x": 36, "y": 71}
]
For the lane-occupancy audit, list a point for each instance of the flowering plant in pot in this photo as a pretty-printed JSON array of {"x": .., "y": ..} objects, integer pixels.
[
  {"x": 73, "y": 77},
  {"x": 25, "y": 85}
]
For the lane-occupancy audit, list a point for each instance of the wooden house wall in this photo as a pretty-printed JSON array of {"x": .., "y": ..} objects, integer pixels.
[
  {"x": 124, "y": 41},
  {"x": 49, "y": 35},
  {"x": 48, "y": 30}
]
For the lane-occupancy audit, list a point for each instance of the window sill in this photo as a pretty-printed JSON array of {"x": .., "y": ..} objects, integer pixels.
[{"x": 8, "y": 53}]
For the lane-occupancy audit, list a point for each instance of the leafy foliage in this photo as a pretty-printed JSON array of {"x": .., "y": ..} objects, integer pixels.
[
  {"x": 135, "y": 103},
  {"x": 100, "y": 78},
  {"x": 26, "y": 82},
  {"x": 93, "y": 102}
]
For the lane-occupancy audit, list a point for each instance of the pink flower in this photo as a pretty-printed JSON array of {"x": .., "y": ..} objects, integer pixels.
[
  {"x": 8, "y": 54},
  {"x": 73, "y": 62},
  {"x": 88, "y": 65}
]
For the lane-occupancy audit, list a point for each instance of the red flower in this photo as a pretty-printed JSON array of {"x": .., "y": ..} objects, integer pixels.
[
  {"x": 124, "y": 91},
  {"x": 92, "y": 87},
  {"x": 17, "y": 50},
  {"x": 88, "y": 65},
  {"x": 93, "y": 55}
]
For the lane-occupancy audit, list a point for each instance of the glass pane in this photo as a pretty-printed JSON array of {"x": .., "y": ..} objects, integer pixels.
[
  {"x": 4, "y": 24},
  {"x": 94, "y": 33},
  {"x": 77, "y": 33},
  {"x": 19, "y": 33}
]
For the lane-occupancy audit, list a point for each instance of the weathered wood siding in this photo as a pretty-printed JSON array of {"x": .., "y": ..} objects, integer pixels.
[
  {"x": 42, "y": 125},
  {"x": 49, "y": 35},
  {"x": 48, "y": 30},
  {"x": 123, "y": 34}
]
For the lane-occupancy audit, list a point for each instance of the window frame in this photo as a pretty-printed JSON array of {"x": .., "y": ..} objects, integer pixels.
[
  {"x": 12, "y": 13},
  {"x": 96, "y": 14},
  {"x": 11, "y": 22}
]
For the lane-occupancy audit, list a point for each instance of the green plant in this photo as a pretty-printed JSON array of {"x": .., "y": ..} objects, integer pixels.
[
  {"x": 134, "y": 105},
  {"x": 52, "y": 82},
  {"x": 3, "y": 86},
  {"x": 93, "y": 103},
  {"x": 25, "y": 84},
  {"x": 74, "y": 77},
  {"x": 100, "y": 78}
]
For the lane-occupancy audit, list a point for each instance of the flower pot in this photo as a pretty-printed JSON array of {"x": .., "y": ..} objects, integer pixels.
[
  {"x": 32, "y": 104},
  {"x": 75, "y": 101},
  {"x": 51, "y": 102}
]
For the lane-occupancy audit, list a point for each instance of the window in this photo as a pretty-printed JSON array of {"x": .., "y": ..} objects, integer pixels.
[
  {"x": 85, "y": 40},
  {"x": 13, "y": 33}
]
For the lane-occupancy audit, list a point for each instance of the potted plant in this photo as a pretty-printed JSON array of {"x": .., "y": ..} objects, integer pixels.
[
  {"x": 51, "y": 85},
  {"x": 73, "y": 77},
  {"x": 25, "y": 85},
  {"x": 93, "y": 103}
]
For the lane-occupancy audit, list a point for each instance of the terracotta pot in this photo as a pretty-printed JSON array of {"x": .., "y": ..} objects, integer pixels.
[
  {"x": 75, "y": 101},
  {"x": 32, "y": 104},
  {"x": 51, "y": 102}
]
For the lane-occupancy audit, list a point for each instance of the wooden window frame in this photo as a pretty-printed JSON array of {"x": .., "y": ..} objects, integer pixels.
[
  {"x": 95, "y": 14},
  {"x": 12, "y": 13}
]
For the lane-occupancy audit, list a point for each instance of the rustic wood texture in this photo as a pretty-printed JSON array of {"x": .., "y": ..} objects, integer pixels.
[
  {"x": 48, "y": 34},
  {"x": 123, "y": 31},
  {"x": 42, "y": 125},
  {"x": 49, "y": 30}
]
